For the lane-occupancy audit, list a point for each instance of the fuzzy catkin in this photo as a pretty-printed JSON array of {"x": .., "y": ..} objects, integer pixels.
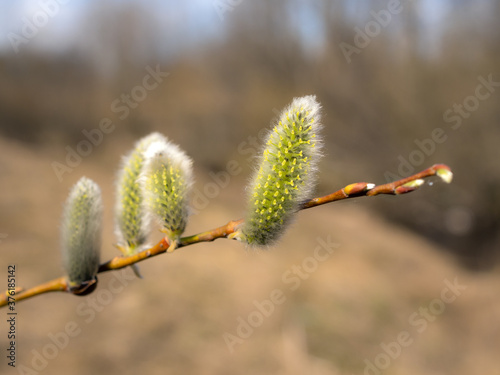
[
  {"x": 81, "y": 231},
  {"x": 131, "y": 221},
  {"x": 166, "y": 181},
  {"x": 286, "y": 175}
]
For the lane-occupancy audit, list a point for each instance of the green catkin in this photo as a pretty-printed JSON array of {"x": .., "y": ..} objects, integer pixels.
[
  {"x": 166, "y": 181},
  {"x": 131, "y": 221},
  {"x": 286, "y": 175},
  {"x": 81, "y": 232}
]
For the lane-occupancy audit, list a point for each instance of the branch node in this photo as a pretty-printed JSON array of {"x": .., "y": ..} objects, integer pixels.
[
  {"x": 82, "y": 289},
  {"x": 357, "y": 188},
  {"x": 409, "y": 186}
]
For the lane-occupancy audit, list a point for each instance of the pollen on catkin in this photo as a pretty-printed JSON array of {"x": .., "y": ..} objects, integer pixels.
[
  {"x": 131, "y": 221},
  {"x": 166, "y": 181},
  {"x": 81, "y": 232},
  {"x": 285, "y": 177}
]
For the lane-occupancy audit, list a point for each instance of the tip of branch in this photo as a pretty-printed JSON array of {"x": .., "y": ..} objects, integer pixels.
[{"x": 445, "y": 174}]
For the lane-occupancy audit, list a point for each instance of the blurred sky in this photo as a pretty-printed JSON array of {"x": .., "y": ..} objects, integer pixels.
[{"x": 195, "y": 20}]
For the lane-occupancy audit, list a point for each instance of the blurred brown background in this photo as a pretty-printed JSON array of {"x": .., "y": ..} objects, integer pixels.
[{"x": 389, "y": 75}]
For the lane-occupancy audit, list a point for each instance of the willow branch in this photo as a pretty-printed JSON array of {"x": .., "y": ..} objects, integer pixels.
[
  {"x": 355, "y": 190},
  {"x": 57, "y": 285}
]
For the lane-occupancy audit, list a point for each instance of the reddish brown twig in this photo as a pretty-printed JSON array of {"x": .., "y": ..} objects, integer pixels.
[{"x": 357, "y": 189}]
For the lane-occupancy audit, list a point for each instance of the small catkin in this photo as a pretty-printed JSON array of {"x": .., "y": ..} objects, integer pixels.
[
  {"x": 81, "y": 232},
  {"x": 286, "y": 176},
  {"x": 131, "y": 221},
  {"x": 166, "y": 182}
]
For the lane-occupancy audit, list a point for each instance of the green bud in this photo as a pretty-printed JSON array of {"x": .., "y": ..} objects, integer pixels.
[
  {"x": 166, "y": 182},
  {"x": 409, "y": 186},
  {"x": 286, "y": 176},
  {"x": 445, "y": 174},
  {"x": 81, "y": 233},
  {"x": 131, "y": 221}
]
